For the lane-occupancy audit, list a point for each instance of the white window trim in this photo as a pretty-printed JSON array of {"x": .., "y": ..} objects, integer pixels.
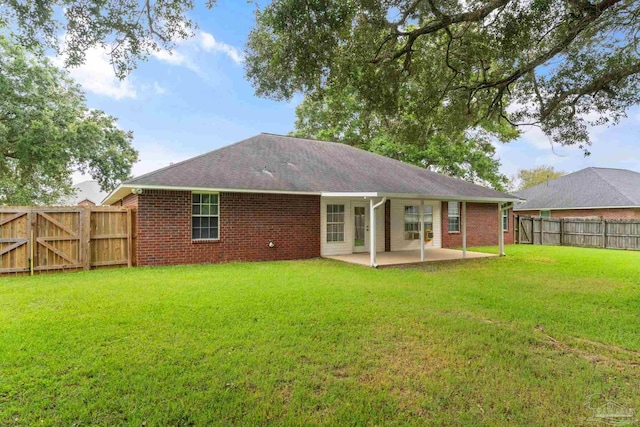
[
  {"x": 343, "y": 223},
  {"x": 505, "y": 214},
  {"x": 211, "y": 239},
  {"x": 418, "y": 220}
]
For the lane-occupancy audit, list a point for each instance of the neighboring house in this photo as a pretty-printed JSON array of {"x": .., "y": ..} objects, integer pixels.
[
  {"x": 588, "y": 193},
  {"x": 87, "y": 193},
  {"x": 274, "y": 197}
]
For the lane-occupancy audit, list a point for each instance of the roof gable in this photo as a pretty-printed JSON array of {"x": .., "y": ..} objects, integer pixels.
[{"x": 586, "y": 188}]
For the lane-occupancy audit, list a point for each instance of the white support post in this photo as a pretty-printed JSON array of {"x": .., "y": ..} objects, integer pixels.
[
  {"x": 372, "y": 229},
  {"x": 500, "y": 231},
  {"x": 463, "y": 220},
  {"x": 421, "y": 230}
]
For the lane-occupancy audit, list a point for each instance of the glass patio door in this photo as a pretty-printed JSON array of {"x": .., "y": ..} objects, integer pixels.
[{"x": 360, "y": 228}]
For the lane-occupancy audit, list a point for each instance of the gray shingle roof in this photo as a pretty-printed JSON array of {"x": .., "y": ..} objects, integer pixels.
[
  {"x": 281, "y": 163},
  {"x": 590, "y": 187}
]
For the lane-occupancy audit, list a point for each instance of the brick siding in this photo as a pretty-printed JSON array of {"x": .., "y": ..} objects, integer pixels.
[
  {"x": 247, "y": 223},
  {"x": 482, "y": 226},
  {"x": 609, "y": 213}
]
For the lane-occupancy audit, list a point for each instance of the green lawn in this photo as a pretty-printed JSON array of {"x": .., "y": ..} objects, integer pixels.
[{"x": 522, "y": 340}]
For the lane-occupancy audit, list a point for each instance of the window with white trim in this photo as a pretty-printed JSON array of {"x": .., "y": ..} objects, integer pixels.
[
  {"x": 505, "y": 220},
  {"x": 335, "y": 223},
  {"x": 545, "y": 214},
  {"x": 412, "y": 221},
  {"x": 453, "y": 212},
  {"x": 205, "y": 216}
]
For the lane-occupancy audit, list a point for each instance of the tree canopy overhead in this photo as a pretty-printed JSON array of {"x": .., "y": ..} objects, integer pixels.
[
  {"x": 47, "y": 132},
  {"x": 339, "y": 115},
  {"x": 559, "y": 64},
  {"x": 129, "y": 30}
]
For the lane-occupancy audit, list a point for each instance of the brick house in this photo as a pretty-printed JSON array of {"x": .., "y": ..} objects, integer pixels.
[
  {"x": 601, "y": 193},
  {"x": 274, "y": 197}
]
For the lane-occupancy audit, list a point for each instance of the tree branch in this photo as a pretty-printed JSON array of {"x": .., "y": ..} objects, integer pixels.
[
  {"x": 601, "y": 83},
  {"x": 437, "y": 24}
]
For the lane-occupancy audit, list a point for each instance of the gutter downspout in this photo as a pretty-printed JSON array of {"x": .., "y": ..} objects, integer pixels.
[
  {"x": 372, "y": 229},
  {"x": 501, "y": 230},
  {"x": 421, "y": 230}
]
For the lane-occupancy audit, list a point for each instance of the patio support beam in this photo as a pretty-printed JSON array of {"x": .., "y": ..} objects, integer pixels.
[
  {"x": 464, "y": 228},
  {"x": 421, "y": 230},
  {"x": 500, "y": 231},
  {"x": 372, "y": 228}
]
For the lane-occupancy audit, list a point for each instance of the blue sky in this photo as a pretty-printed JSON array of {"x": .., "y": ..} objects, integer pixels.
[{"x": 197, "y": 100}]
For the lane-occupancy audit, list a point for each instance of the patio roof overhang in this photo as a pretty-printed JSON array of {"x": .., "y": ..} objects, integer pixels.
[
  {"x": 417, "y": 196},
  {"x": 124, "y": 189}
]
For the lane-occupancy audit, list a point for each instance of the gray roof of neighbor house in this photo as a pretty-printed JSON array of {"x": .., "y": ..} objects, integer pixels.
[
  {"x": 86, "y": 190},
  {"x": 586, "y": 188},
  {"x": 275, "y": 163}
]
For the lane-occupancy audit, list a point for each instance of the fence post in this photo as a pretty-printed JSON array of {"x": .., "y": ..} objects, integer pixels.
[
  {"x": 129, "y": 239},
  {"x": 561, "y": 231},
  {"x": 85, "y": 237},
  {"x": 542, "y": 231},
  {"x": 30, "y": 236},
  {"x": 604, "y": 233}
]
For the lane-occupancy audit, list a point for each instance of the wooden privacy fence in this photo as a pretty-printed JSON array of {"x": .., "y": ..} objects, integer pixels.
[
  {"x": 44, "y": 239},
  {"x": 584, "y": 232}
]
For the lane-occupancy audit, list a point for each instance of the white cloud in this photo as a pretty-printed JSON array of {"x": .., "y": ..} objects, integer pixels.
[
  {"x": 187, "y": 52},
  {"x": 535, "y": 137},
  {"x": 159, "y": 90},
  {"x": 176, "y": 58},
  {"x": 97, "y": 75},
  {"x": 210, "y": 44},
  {"x": 156, "y": 155}
]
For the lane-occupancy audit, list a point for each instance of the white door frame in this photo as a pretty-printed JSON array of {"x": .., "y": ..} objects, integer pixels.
[{"x": 365, "y": 247}]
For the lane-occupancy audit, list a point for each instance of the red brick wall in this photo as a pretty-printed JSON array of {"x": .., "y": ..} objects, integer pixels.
[
  {"x": 130, "y": 200},
  {"x": 610, "y": 213},
  {"x": 247, "y": 223},
  {"x": 482, "y": 226}
]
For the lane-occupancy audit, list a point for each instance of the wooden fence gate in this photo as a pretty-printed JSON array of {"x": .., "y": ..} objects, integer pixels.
[
  {"x": 41, "y": 239},
  {"x": 583, "y": 232}
]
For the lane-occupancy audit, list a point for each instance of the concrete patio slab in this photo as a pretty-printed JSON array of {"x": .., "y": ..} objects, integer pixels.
[{"x": 385, "y": 259}]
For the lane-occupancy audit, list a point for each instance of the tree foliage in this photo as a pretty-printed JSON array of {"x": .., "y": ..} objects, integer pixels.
[
  {"x": 47, "y": 132},
  {"x": 531, "y": 177},
  {"x": 129, "y": 30},
  {"x": 339, "y": 115},
  {"x": 558, "y": 64}
]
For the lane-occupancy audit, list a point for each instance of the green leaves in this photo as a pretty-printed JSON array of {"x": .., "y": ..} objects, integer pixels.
[
  {"x": 410, "y": 135},
  {"x": 561, "y": 65},
  {"x": 531, "y": 177},
  {"x": 47, "y": 132},
  {"x": 131, "y": 29}
]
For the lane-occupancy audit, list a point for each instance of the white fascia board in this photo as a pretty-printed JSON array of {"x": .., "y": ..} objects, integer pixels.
[
  {"x": 348, "y": 194},
  {"x": 123, "y": 189},
  {"x": 449, "y": 198},
  {"x": 418, "y": 196}
]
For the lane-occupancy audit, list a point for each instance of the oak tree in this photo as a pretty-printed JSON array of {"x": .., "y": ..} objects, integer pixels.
[
  {"x": 47, "y": 132},
  {"x": 561, "y": 65}
]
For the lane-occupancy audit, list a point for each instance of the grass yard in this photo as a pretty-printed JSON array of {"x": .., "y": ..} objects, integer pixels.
[{"x": 522, "y": 340}]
